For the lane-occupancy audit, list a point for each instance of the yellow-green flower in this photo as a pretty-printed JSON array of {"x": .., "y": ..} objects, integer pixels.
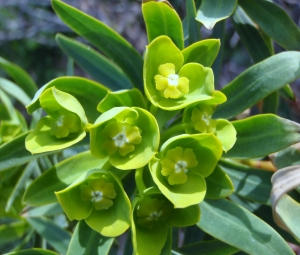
[
  {"x": 169, "y": 83},
  {"x": 99, "y": 192},
  {"x": 201, "y": 118},
  {"x": 121, "y": 137},
  {"x": 177, "y": 163}
]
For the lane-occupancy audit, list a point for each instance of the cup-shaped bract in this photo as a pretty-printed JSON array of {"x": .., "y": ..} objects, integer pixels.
[
  {"x": 151, "y": 216},
  {"x": 198, "y": 118},
  {"x": 168, "y": 83},
  {"x": 128, "y": 136},
  {"x": 98, "y": 198},
  {"x": 182, "y": 164},
  {"x": 64, "y": 125}
]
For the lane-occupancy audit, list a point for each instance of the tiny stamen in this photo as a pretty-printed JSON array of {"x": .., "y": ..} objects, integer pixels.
[
  {"x": 181, "y": 166},
  {"x": 173, "y": 80}
]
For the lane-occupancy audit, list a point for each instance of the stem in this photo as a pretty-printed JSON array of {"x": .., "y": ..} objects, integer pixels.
[
  {"x": 139, "y": 179},
  {"x": 172, "y": 131}
]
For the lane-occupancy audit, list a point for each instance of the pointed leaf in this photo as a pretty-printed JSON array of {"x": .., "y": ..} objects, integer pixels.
[
  {"x": 57, "y": 237},
  {"x": 25, "y": 82},
  {"x": 162, "y": 19},
  {"x": 263, "y": 134},
  {"x": 193, "y": 26},
  {"x": 247, "y": 232},
  {"x": 257, "y": 82},
  {"x": 104, "y": 38},
  {"x": 212, "y": 11},
  {"x": 86, "y": 241},
  {"x": 274, "y": 21},
  {"x": 100, "y": 68},
  {"x": 251, "y": 183},
  {"x": 34, "y": 251}
]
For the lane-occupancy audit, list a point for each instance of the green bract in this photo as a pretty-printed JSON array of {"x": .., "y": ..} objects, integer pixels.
[
  {"x": 152, "y": 215},
  {"x": 129, "y": 136},
  {"x": 98, "y": 198},
  {"x": 184, "y": 161},
  {"x": 63, "y": 126},
  {"x": 168, "y": 83},
  {"x": 198, "y": 118}
]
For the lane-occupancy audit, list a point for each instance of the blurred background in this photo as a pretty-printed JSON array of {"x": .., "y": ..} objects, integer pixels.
[{"x": 28, "y": 29}]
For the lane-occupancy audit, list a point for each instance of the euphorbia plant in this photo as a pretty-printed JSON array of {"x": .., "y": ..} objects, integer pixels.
[{"x": 161, "y": 117}]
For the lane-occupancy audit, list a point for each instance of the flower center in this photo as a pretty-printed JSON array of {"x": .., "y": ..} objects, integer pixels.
[
  {"x": 173, "y": 80},
  {"x": 120, "y": 139},
  {"x": 96, "y": 196},
  {"x": 181, "y": 166}
]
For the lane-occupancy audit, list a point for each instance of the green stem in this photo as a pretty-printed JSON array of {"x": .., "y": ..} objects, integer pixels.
[
  {"x": 139, "y": 179},
  {"x": 172, "y": 131}
]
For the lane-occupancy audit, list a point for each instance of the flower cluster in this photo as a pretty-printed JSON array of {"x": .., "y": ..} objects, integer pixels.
[{"x": 127, "y": 134}]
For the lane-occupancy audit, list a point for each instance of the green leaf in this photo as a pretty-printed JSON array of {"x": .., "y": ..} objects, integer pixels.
[
  {"x": 14, "y": 90},
  {"x": 100, "y": 68},
  {"x": 250, "y": 36},
  {"x": 161, "y": 19},
  {"x": 251, "y": 183},
  {"x": 12, "y": 232},
  {"x": 203, "y": 52},
  {"x": 214, "y": 247},
  {"x": 87, "y": 92},
  {"x": 34, "y": 251},
  {"x": 218, "y": 184},
  {"x": 183, "y": 217},
  {"x": 226, "y": 133},
  {"x": 57, "y": 237},
  {"x": 14, "y": 153},
  {"x": 212, "y": 11},
  {"x": 25, "y": 82},
  {"x": 20, "y": 184},
  {"x": 274, "y": 21},
  {"x": 86, "y": 241},
  {"x": 287, "y": 157},
  {"x": 247, "y": 232},
  {"x": 104, "y": 38},
  {"x": 263, "y": 134},
  {"x": 257, "y": 82},
  {"x": 41, "y": 191},
  {"x": 193, "y": 26},
  {"x": 129, "y": 98},
  {"x": 44, "y": 210}
]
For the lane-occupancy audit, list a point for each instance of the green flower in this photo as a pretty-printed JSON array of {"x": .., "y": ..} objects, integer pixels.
[
  {"x": 152, "y": 216},
  {"x": 128, "y": 136},
  {"x": 170, "y": 83},
  {"x": 198, "y": 117},
  {"x": 64, "y": 125},
  {"x": 98, "y": 198},
  {"x": 182, "y": 164}
]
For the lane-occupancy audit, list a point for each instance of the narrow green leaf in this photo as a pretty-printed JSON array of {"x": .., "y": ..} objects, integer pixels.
[
  {"x": 57, "y": 237},
  {"x": 214, "y": 247},
  {"x": 14, "y": 153},
  {"x": 274, "y": 21},
  {"x": 250, "y": 36},
  {"x": 20, "y": 184},
  {"x": 87, "y": 92},
  {"x": 100, "y": 68},
  {"x": 287, "y": 157},
  {"x": 41, "y": 191},
  {"x": 104, "y": 38},
  {"x": 251, "y": 183},
  {"x": 45, "y": 210},
  {"x": 86, "y": 241},
  {"x": 218, "y": 184},
  {"x": 193, "y": 26},
  {"x": 203, "y": 52},
  {"x": 35, "y": 251},
  {"x": 263, "y": 134},
  {"x": 14, "y": 91},
  {"x": 270, "y": 103},
  {"x": 212, "y": 11},
  {"x": 238, "y": 227},
  {"x": 12, "y": 232},
  {"x": 23, "y": 79},
  {"x": 257, "y": 82},
  {"x": 161, "y": 19}
]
